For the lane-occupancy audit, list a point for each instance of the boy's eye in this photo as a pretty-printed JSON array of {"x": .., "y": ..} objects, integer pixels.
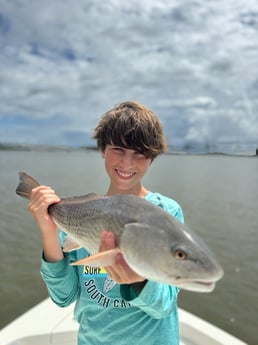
[
  {"x": 118, "y": 150},
  {"x": 121, "y": 150},
  {"x": 139, "y": 155}
]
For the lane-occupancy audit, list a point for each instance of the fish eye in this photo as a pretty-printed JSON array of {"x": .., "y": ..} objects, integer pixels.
[{"x": 179, "y": 253}]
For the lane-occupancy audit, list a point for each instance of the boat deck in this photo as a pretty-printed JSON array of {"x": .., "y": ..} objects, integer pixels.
[{"x": 47, "y": 324}]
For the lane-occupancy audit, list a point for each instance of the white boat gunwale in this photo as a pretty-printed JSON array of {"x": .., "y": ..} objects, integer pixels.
[{"x": 46, "y": 324}]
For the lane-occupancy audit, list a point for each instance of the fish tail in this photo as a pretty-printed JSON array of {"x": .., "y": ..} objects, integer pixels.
[{"x": 25, "y": 186}]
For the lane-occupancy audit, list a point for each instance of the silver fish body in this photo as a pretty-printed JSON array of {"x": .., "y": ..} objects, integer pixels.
[{"x": 154, "y": 244}]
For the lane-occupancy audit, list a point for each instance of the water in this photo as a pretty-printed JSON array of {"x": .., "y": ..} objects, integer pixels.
[{"x": 219, "y": 196}]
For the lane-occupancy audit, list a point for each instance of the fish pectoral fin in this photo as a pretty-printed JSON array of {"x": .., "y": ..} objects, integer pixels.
[
  {"x": 101, "y": 259},
  {"x": 70, "y": 244}
]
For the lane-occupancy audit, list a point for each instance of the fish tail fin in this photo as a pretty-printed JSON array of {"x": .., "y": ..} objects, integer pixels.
[{"x": 25, "y": 186}]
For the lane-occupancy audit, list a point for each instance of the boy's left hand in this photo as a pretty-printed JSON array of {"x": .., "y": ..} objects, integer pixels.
[{"x": 120, "y": 272}]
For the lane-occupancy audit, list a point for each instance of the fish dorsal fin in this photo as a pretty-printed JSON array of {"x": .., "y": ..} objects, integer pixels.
[
  {"x": 81, "y": 198},
  {"x": 70, "y": 244},
  {"x": 101, "y": 259}
]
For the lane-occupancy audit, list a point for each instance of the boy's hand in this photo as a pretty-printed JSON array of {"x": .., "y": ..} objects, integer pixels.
[
  {"x": 41, "y": 197},
  {"x": 120, "y": 272}
]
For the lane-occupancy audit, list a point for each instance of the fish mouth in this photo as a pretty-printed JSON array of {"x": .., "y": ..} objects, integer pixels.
[
  {"x": 199, "y": 286},
  {"x": 205, "y": 284}
]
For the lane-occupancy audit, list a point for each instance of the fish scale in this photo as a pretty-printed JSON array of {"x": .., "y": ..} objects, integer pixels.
[{"x": 91, "y": 221}]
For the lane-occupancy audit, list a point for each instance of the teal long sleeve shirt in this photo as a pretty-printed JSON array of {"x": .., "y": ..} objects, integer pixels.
[{"x": 109, "y": 313}]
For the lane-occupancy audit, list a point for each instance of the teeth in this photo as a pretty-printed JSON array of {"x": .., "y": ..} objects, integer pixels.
[{"x": 123, "y": 174}]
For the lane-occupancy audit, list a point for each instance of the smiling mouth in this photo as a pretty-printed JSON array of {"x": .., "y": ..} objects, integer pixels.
[{"x": 125, "y": 175}]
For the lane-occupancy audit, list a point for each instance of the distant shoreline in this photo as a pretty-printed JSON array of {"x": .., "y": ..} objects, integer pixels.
[
  {"x": 171, "y": 151},
  {"x": 24, "y": 147}
]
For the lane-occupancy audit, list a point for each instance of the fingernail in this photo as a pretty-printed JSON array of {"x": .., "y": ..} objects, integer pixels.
[
  {"x": 109, "y": 235},
  {"x": 104, "y": 235}
]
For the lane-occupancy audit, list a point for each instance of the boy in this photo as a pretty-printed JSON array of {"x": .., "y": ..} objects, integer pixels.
[{"x": 114, "y": 305}]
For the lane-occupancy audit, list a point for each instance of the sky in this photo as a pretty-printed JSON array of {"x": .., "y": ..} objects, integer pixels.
[{"x": 64, "y": 63}]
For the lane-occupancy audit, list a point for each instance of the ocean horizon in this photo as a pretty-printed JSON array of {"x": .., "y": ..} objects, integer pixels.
[{"x": 232, "y": 148}]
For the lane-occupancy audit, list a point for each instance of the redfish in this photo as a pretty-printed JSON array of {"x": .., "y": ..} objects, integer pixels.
[{"x": 154, "y": 244}]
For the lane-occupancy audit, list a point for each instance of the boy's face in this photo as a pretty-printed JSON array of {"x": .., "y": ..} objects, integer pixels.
[{"x": 125, "y": 168}]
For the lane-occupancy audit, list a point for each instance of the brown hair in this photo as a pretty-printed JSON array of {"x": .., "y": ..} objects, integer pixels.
[{"x": 132, "y": 126}]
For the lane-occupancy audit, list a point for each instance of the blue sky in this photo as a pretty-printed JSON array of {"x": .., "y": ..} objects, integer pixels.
[{"x": 64, "y": 63}]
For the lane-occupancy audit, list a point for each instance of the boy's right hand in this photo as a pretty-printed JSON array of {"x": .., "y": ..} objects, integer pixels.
[{"x": 40, "y": 198}]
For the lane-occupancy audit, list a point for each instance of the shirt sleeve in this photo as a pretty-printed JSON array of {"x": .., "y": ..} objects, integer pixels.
[
  {"x": 156, "y": 300},
  {"x": 61, "y": 280}
]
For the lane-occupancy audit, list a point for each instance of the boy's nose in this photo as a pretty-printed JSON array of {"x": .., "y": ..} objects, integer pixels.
[{"x": 128, "y": 159}]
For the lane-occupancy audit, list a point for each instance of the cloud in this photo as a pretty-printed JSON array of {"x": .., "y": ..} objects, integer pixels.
[{"x": 64, "y": 63}]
